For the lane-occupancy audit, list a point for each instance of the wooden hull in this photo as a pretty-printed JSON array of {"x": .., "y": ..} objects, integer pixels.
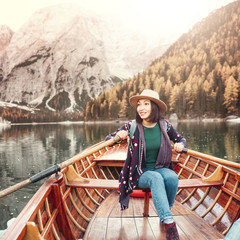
[{"x": 58, "y": 211}]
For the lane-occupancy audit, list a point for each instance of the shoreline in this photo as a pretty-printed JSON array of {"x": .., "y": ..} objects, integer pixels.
[{"x": 203, "y": 120}]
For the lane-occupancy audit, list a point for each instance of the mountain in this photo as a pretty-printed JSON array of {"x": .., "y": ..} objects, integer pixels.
[
  {"x": 62, "y": 57},
  {"x": 199, "y": 75},
  {"x": 5, "y": 38}
]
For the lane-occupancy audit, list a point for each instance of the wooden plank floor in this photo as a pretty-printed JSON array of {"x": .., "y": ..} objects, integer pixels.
[{"x": 109, "y": 222}]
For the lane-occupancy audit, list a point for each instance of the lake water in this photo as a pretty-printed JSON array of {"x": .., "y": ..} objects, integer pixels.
[{"x": 28, "y": 149}]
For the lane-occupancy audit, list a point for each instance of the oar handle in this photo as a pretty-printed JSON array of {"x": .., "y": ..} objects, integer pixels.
[
  {"x": 54, "y": 169},
  {"x": 45, "y": 173},
  {"x": 212, "y": 158},
  {"x": 37, "y": 177}
]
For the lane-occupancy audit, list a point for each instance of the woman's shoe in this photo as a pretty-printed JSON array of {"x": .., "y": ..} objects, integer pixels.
[{"x": 171, "y": 231}]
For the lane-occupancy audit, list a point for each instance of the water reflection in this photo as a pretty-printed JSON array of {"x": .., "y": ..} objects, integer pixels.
[
  {"x": 215, "y": 138},
  {"x": 28, "y": 149}
]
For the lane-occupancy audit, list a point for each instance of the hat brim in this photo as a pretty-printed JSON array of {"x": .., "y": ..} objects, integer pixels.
[{"x": 134, "y": 99}]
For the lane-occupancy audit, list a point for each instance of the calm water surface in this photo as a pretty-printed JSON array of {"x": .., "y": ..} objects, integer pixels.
[{"x": 28, "y": 149}]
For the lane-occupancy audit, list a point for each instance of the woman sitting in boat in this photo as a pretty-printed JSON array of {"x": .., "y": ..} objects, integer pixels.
[{"x": 148, "y": 163}]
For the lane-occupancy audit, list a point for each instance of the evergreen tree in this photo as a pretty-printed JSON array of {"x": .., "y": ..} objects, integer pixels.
[
  {"x": 113, "y": 106},
  {"x": 174, "y": 98},
  {"x": 231, "y": 95},
  {"x": 87, "y": 113},
  {"x": 124, "y": 106}
]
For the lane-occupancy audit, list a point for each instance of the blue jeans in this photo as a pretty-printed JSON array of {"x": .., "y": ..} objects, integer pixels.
[
  {"x": 163, "y": 183},
  {"x": 233, "y": 233}
]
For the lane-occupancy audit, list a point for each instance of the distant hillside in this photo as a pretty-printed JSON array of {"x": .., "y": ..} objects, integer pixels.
[{"x": 199, "y": 74}]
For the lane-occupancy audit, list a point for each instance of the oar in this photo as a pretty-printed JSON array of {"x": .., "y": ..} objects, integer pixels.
[
  {"x": 212, "y": 158},
  {"x": 56, "y": 168}
]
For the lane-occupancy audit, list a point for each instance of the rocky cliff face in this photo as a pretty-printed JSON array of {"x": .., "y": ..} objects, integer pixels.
[
  {"x": 5, "y": 38},
  {"x": 62, "y": 57}
]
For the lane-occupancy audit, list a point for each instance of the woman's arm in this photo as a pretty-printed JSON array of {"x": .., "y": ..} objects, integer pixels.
[
  {"x": 122, "y": 132},
  {"x": 179, "y": 140}
]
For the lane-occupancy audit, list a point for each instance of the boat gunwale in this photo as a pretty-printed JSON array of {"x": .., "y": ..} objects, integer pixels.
[{"x": 29, "y": 212}]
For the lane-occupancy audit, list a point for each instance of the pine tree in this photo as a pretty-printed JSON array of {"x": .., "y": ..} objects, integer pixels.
[
  {"x": 113, "y": 106},
  {"x": 167, "y": 93},
  {"x": 87, "y": 113},
  {"x": 174, "y": 99},
  {"x": 94, "y": 114},
  {"x": 124, "y": 106},
  {"x": 231, "y": 95},
  {"x": 190, "y": 96}
]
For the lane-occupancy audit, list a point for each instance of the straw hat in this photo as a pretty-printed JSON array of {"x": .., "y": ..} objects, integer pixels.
[{"x": 151, "y": 95}]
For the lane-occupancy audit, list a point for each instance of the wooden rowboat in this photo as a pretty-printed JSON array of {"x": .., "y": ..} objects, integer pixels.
[{"x": 81, "y": 201}]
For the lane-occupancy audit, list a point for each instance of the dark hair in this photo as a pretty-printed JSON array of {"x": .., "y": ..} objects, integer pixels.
[{"x": 155, "y": 115}]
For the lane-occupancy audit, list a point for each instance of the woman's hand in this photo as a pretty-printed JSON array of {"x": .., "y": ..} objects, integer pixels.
[
  {"x": 122, "y": 134},
  {"x": 178, "y": 147}
]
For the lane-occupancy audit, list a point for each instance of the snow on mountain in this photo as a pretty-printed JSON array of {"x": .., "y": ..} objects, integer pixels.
[
  {"x": 63, "y": 56},
  {"x": 12, "y": 105}
]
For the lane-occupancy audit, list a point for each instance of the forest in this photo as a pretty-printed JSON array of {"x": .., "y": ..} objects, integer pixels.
[
  {"x": 199, "y": 75},
  {"x": 16, "y": 115}
]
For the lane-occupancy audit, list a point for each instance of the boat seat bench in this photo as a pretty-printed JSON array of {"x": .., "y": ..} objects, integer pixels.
[{"x": 114, "y": 185}]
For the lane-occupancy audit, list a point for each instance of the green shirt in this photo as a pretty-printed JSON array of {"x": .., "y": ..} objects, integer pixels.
[{"x": 152, "y": 138}]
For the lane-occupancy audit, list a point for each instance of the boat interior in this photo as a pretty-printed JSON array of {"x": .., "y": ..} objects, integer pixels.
[{"x": 81, "y": 202}]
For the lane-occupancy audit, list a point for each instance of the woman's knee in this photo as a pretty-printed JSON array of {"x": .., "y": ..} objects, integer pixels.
[
  {"x": 174, "y": 176},
  {"x": 151, "y": 178},
  {"x": 172, "y": 179},
  {"x": 156, "y": 180}
]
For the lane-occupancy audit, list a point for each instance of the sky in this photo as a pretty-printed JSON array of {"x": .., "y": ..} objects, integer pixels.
[{"x": 146, "y": 16}]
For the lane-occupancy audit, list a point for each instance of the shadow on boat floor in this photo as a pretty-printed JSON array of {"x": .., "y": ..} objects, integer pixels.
[{"x": 109, "y": 222}]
